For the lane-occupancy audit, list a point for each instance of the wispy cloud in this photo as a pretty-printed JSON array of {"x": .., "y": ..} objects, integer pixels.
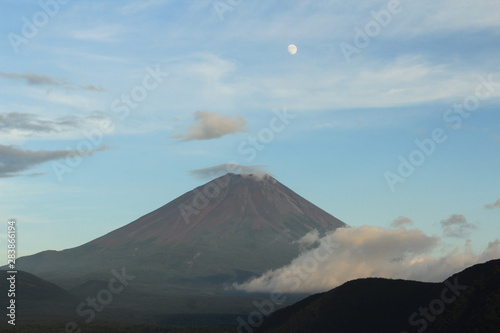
[
  {"x": 44, "y": 80},
  {"x": 91, "y": 87},
  {"x": 102, "y": 33},
  {"x": 496, "y": 204},
  {"x": 210, "y": 125},
  {"x": 457, "y": 226},
  {"x": 401, "y": 221},
  {"x": 138, "y": 6},
  {"x": 407, "y": 80},
  {"x": 24, "y": 124},
  {"x": 14, "y": 160},
  {"x": 450, "y": 16},
  {"x": 34, "y": 79},
  {"x": 210, "y": 68},
  {"x": 222, "y": 169},
  {"x": 310, "y": 239}
]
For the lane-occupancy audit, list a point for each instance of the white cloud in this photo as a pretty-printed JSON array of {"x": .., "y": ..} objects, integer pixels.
[
  {"x": 222, "y": 169},
  {"x": 209, "y": 67},
  {"x": 45, "y": 80},
  {"x": 496, "y": 204},
  {"x": 210, "y": 125},
  {"x": 138, "y": 6},
  {"x": 28, "y": 124},
  {"x": 404, "y": 81},
  {"x": 360, "y": 252},
  {"x": 100, "y": 34},
  {"x": 310, "y": 239},
  {"x": 427, "y": 17},
  {"x": 401, "y": 221},
  {"x": 14, "y": 160},
  {"x": 457, "y": 226}
]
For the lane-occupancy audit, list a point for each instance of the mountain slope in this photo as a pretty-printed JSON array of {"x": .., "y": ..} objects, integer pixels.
[
  {"x": 478, "y": 307},
  {"x": 36, "y": 298},
  {"x": 383, "y": 305},
  {"x": 365, "y": 305},
  {"x": 231, "y": 201}
]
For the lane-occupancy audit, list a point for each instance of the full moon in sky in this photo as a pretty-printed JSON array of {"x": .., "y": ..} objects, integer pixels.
[{"x": 292, "y": 49}]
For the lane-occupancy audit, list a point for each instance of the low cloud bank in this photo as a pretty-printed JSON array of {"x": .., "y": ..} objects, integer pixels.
[{"x": 360, "y": 252}]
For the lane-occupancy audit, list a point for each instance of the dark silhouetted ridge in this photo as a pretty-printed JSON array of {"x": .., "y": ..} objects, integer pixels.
[{"x": 382, "y": 305}]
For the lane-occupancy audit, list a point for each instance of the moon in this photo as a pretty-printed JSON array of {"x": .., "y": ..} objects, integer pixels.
[{"x": 292, "y": 49}]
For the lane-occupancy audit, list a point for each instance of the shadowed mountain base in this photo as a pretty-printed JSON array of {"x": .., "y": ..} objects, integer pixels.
[{"x": 386, "y": 306}]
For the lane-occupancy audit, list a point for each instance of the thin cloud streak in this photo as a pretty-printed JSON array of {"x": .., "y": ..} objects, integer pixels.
[
  {"x": 44, "y": 80},
  {"x": 29, "y": 124},
  {"x": 496, "y": 204},
  {"x": 14, "y": 160},
  {"x": 222, "y": 169}
]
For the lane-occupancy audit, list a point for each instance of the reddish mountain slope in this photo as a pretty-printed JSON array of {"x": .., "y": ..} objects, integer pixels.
[{"x": 222, "y": 205}]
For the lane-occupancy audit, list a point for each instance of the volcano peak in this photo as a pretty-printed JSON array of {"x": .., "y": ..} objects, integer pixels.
[{"x": 230, "y": 203}]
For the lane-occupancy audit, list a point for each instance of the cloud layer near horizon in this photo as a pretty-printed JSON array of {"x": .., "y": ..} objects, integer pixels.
[{"x": 360, "y": 252}]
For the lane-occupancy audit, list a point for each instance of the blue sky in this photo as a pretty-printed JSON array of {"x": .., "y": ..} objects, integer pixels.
[{"x": 368, "y": 80}]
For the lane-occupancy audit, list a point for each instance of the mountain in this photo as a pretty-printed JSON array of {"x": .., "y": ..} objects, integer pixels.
[
  {"x": 382, "y": 305},
  {"x": 477, "y": 309},
  {"x": 36, "y": 298},
  {"x": 182, "y": 256},
  {"x": 222, "y": 206}
]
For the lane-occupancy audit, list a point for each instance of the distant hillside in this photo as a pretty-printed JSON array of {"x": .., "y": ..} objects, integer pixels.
[
  {"x": 36, "y": 298},
  {"x": 478, "y": 308},
  {"x": 381, "y": 305}
]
